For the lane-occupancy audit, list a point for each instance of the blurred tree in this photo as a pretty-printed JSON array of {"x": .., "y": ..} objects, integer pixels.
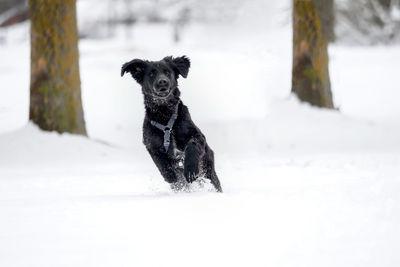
[
  {"x": 385, "y": 3},
  {"x": 326, "y": 15},
  {"x": 310, "y": 73},
  {"x": 55, "y": 101},
  {"x": 13, "y": 12},
  {"x": 180, "y": 22},
  {"x": 6, "y": 5},
  {"x": 368, "y": 21}
]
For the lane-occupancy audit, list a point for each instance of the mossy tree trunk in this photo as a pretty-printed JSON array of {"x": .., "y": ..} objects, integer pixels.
[
  {"x": 55, "y": 100},
  {"x": 310, "y": 73}
]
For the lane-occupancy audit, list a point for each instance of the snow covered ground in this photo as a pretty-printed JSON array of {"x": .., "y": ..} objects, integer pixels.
[{"x": 303, "y": 186}]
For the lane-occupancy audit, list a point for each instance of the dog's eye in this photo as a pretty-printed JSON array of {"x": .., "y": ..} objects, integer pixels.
[
  {"x": 152, "y": 73},
  {"x": 166, "y": 72}
]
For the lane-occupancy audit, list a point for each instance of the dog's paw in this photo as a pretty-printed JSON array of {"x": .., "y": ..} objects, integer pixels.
[
  {"x": 170, "y": 177},
  {"x": 191, "y": 170}
]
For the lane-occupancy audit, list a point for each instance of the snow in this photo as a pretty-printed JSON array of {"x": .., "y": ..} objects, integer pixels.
[
  {"x": 302, "y": 186},
  {"x": 69, "y": 201}
]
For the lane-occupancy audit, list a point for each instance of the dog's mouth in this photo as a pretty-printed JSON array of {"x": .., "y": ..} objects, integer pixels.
[{"x": 162, "y": 92}]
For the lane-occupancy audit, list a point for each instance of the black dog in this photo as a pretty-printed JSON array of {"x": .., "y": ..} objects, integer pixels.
[{"x": 176, "y": 145}]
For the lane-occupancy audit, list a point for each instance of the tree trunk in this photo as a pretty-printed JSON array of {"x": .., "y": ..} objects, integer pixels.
[
  {"x": 310, "y": 73},
  {"x": 55, "y": 101},
  {"x": 326, "y": 14},
  {"x": 385, "y": 3}
]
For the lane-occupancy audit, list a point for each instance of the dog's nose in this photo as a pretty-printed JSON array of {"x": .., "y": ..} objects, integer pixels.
[{"x": 162, "y": 83}]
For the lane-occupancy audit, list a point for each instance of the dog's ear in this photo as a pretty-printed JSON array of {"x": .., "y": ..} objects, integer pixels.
[
  {"x": 136, "y": 68},
  {"x": 183, "y": 65},
  {"x": 180, "y": 64}
]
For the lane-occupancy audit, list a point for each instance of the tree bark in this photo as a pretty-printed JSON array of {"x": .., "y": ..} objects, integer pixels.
[
  {"x": 55, "y": 100},
  {"x": 326, "y": 15},
  {"x": 310, "y": 73}
]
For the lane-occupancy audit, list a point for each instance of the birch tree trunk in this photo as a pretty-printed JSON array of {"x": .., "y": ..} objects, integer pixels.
[{"x": 55, "y": 100}]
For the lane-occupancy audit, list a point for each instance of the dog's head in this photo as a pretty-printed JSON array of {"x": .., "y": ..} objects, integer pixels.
[{"x": 158, "y": 78}]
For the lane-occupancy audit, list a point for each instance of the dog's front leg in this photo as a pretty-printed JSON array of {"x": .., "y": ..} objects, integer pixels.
[
  {"x": 164, "y": 165},
  {"x": 193, "y": 152}
]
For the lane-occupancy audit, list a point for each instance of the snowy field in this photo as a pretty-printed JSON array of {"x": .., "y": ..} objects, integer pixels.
[{"x": 302, "y": 186}]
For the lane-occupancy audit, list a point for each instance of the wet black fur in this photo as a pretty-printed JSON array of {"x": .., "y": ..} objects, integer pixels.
[{"x": 187, "y": 141}]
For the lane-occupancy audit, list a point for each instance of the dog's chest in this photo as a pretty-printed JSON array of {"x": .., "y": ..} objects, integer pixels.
[
  {"x": 155, "y": 138},
  {"x": 176, "y": 153},
  {"x": 179, "y": 157}
]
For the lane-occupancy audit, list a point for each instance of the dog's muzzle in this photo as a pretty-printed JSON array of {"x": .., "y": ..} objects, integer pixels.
[{"x": 162, "y": 86}]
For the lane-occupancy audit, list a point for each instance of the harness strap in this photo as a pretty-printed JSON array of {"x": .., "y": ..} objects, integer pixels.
[{"x": 167, "y": 128}]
